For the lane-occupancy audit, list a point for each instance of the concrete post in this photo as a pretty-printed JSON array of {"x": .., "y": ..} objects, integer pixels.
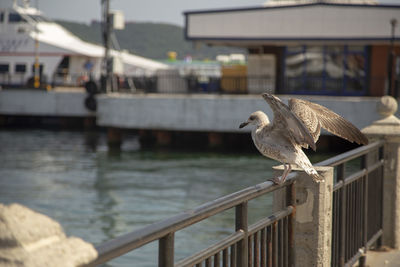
[
  {"x": 313, "y": 220},
  {"x": 388, "y": 129},
  {"x": 31, "y": 239}
]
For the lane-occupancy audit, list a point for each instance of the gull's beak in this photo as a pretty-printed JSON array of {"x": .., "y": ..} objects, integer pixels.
[{"x": 243, "y": 124}]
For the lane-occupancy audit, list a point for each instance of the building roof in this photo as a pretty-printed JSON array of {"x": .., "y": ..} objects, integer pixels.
[
  {"x": 283, "y": 24},
  {"x": 296, "y": 2}
]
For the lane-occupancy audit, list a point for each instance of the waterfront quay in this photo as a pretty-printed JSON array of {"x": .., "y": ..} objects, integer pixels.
[{"x": 162, "y": 117}]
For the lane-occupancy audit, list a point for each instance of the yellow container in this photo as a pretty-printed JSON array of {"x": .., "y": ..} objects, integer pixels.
[{"x": 234, "y": 79}]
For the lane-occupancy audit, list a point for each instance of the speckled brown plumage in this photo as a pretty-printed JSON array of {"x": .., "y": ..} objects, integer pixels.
[
  {"x": 293, "y": 127},
  {"x": 315, "y": 117}
]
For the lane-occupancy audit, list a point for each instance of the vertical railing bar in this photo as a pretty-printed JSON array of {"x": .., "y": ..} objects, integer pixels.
[
  {"x": 365, "y": 162},
  {"x": 333, "y": 246},
  {"x": 274, "y": 244},
  {"x": 340, "y": 175},
  {"x": 233, "y": 255},
  {"x": 291, "y": 200},
  {"x": 166, "y": 251},
  {"x": 350, "y": 217},
  {"x": 280, "y": 243},
  {"x": 269, "y": 242},
  {"x": 336, "y": 243},
  {"x": 285, "y": 241},
  {"x": 381, "y": 172},
  {"x": 354, "y": 213},
  {"x": 217, "y": 259},
  {"x": 349, "y": 214},
  {"x": 208, "y": 262},
  {"x": 361, "y": 212},
  {"x": 263, "y": 248},
  {"x": 354, "y": 219},
  {"x": 241, "y": 211},
  {"x": 199, "y": 265},
  {"x": 250, "y": 251},
  {"x": 225, "y": 258},
  {"x": 256, "y": 249}
]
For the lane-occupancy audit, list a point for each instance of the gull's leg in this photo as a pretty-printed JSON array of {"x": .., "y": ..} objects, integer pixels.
[
  {"x": 286, "y": 173},
  {"x": 277, "y": 180}
]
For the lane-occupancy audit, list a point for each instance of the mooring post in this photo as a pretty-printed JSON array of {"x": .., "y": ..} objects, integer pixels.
[
  {"x": 114, "y": 138},
  {"x": 388, "y": 129},
  {"x": 312, "y": 226}
]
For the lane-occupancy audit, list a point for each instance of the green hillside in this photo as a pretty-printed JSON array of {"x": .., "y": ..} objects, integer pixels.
[{"x": 152, "y": 40}]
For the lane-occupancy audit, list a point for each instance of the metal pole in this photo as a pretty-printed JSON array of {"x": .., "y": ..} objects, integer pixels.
[
  {"x": 393, "y": 23},
  {"x": 241, "y": 212},
  {"x": 36, "y": 65},
  {"x": 107, "y": 45}
]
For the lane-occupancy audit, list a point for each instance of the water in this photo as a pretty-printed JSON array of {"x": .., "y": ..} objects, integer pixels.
[{"x": 96, "y": 196}]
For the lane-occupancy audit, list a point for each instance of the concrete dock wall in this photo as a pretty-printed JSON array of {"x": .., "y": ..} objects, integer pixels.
[
  {"x": 183, "y": 112},
  {"x": 42, "y": 103},
  {"x": 220, "y": 113}
]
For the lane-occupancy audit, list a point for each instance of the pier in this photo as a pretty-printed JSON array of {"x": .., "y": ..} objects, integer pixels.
[{"x": 160, "y": 116}]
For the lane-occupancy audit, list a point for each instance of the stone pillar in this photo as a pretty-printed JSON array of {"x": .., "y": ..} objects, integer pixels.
[
  {"x": 388, "y": 129},
  {"x": 313, "y": 219},
  {"x": 31, "y": 239}
]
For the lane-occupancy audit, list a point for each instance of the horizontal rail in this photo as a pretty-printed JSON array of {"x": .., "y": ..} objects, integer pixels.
[
  {"x": 353, "y": 177},
  {"x": 352, "y": 154},
  {"x": 123, "y": 244},
  {"x": 208, "y": 252},
  {"x": 363, "y": 250}
]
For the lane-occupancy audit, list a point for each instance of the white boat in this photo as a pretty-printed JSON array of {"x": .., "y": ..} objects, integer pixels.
[{"x": 26, "y": 34}]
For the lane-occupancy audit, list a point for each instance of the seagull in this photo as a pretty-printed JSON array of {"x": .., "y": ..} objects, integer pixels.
[{"x": 296, "y": 126}]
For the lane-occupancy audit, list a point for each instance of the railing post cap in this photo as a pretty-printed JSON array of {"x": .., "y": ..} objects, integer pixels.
[
  {"x": 387, "y": 106},
  {"x": 389, "y": 126}
]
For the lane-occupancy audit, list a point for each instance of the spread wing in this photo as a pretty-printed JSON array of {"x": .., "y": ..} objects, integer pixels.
[
  {"x": 288, "y": 122},
  {"x": 315, "y": 116}
]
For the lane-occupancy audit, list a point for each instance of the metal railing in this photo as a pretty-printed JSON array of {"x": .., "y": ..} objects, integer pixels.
[
  {"x": 357, "y": 203},
  {"x": 268, "y": 242},
  {"x": 356, "y": 224}
]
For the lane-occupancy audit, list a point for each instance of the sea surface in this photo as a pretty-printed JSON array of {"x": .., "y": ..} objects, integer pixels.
[{"x": 98, "y": 195}]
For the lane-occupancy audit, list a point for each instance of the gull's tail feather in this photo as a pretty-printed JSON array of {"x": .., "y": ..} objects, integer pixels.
[{"x": 306, "y": 165}]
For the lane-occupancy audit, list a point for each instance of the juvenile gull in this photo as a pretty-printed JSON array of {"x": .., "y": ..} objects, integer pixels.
[{"x": 295, "y": 126}]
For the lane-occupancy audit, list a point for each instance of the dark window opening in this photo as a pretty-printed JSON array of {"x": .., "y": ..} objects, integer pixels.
[
  {"x": 20, "y": 68},
  {"x": 62, "y": 68},
  {"x": 329, "y": 70},
  {"x": 4, "y": 68},
  {"x": 15, "y": 17}
]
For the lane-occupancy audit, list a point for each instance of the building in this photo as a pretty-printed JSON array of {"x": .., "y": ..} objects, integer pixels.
[{"x": 310, "y": 46}]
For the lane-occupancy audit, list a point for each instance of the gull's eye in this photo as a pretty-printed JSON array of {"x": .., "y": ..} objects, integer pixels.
[{"x": 252, "y": 118}]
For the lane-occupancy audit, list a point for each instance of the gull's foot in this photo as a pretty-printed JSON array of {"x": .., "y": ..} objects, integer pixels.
[
  {"x": 276, "y": 180},
  {"x": 317, "y": 178}
]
